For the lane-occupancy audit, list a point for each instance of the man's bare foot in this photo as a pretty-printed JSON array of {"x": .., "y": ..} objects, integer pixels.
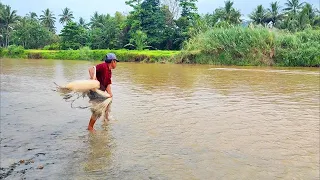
[{"x": 91, "y": 129}]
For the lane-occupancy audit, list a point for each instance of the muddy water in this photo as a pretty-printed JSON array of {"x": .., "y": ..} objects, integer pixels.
[{"x": 168, "y": 122}]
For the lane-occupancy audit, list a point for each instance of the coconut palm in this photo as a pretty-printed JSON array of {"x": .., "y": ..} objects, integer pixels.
[
  {"x": 259, "y": 15},
  {"x": 98, "y": 20},
  {"x": 293, "y": 6},
  {"x": 310, "y": 11},
  {"x": 228, "y": 10},
  {"x": 306, "y": 17},
  {"x": 8, "y": 18},
  {"x": 228, "y": 13},
  {"x": 274, "y": 11},
  {"x": 66, "y": 16},
  {"x": 47, "y": 19},
  {"x": 94, "y": 19},
  {"x": 83, "y": 23},
  {"x": 32, "y": 15}
]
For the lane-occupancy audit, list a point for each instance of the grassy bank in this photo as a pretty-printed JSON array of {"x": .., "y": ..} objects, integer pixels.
[
  {"x": 245, "y": 46},
  {"x": 87, "y": 54},
  {"x": 233, "y": 46}
]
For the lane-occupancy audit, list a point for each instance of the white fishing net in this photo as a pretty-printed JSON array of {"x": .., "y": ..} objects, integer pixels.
[{"x": 100, "y": 105}]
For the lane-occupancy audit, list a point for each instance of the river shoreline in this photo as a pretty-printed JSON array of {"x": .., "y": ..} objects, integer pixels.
[{"x": 146, "y": 56}]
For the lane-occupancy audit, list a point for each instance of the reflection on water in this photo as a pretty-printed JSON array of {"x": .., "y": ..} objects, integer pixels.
[
  {"x": 170, "y": 122},
  {"x": 99, "y": 151}
]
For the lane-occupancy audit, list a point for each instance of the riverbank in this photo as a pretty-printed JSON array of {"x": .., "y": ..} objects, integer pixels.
[
  {"x": 231, "y": 46},
  {"x": 148, "y": 56},
  {"x": 253, "y": 46}
]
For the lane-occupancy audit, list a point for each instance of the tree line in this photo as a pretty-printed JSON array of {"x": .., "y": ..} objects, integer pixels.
[{"x": 152, "y": 24}]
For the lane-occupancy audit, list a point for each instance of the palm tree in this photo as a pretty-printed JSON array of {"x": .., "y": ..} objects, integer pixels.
[
  {"x": 293, "y": 6},
  {"x": 228, "y": 13},
  {"x": 306, "y": 17},
  {"x": 48, "y": 19},
  {"x": 82, "y": 23},
  {"x": 231, "y": 15},
  {"x": 228, "y": 9},
  {"x": 98, "y": 20},
  {"x": 7, "y": 19},
  {"x": 94, "y": 19},
  {"x": 274, "y": 11},
  {"x": 32, "y": 15},
  {"x": 310, "y": 11},
  {"x": 66, "y": 16},
  {"x": 303, "y": 19},
  {"x": 258, "y": 15}
]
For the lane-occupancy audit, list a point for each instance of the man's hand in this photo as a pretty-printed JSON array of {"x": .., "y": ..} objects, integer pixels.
[
  {"x": 108, "y": 89},
  {"x": 92, "y": 73},
  {"x": 109, "y": 93}
]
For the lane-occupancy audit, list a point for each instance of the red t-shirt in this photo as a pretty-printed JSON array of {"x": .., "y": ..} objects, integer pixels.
[{"x": 103, "y": 74}]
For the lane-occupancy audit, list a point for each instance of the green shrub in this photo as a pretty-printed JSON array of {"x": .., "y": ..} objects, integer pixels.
[
  {"x": 85, "y": 53},
  {"x": 1, "y": 52},
  {"x": 298, "y": 49},
  {"x": 252, "y": 46},
  {"x": 15, "y": 51},
  {"x": 237, "y": 46}
]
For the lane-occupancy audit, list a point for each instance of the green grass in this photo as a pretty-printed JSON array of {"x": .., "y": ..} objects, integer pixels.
[
  {"x": 87, "y": 54},
  {"x": 299, "y": 49},
  {"x": 258, "y": 46}
]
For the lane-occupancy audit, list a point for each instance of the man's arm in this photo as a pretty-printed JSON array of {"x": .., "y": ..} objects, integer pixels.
[
  {"x": 109, "y": 89},
  {"x": 92, "y": 73}
]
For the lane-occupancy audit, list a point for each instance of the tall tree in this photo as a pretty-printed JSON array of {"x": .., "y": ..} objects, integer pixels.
[
  {"x": 105, "y": 31},
  {"x": 2, "y": 30},
  {"x": 121, "y": 29},
  {"x": 311, "y": 13},
  {"x": 152, "y": 22},
  {"x": 275, "y": 12},
  {"x": 170, "y": 30},
  {"x": 189, "y": 9},
  {"x": 228, "y": 13},
  {"x": 31, "y": 34},
  {"x": 293, "y": 6},
  {"x": 8, "y": 18},
  {"x": 47, "y": 19},
  {"x": 173, "y": 7},
  {"x": 98, "y": 20},
  {"x": 73, "y": 36},
  {"x": 32, "y": 15},
  {"x": 133, "y": 3},
  {"x": 259, "y": 15},
  {"x": 66, "y": 16},
  {"x": 83, "y": 23},
  {"x": 187, "y": 20}
]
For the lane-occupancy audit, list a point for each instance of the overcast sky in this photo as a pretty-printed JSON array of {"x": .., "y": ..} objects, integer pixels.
[{"x": 86, "y": 8}]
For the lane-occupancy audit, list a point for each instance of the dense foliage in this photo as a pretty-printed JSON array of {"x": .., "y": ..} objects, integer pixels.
[
  {"x": 152, "y": 24},
  {"x": 285, "y": 34}
]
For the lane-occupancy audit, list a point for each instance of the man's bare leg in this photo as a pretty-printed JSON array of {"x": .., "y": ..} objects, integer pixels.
[
  {"x": 106, "y": 118},
  {"x": 91, "y": 123}
]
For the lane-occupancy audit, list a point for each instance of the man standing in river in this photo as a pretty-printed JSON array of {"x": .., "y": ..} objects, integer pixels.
[{"x": 102, "y": 73}]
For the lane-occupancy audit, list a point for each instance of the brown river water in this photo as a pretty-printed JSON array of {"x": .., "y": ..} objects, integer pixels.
[{"x": 168, "y": 122}]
